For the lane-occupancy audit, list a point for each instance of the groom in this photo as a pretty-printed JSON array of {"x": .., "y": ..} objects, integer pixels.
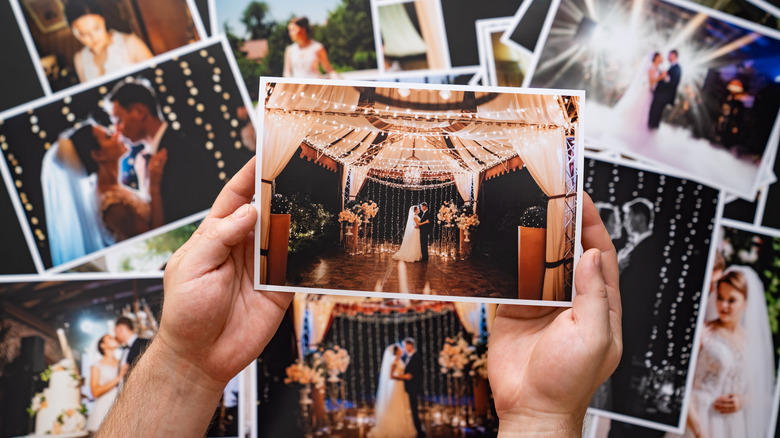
[
  {"x": 412, "y": 378},
  {"x": 425, "y": 230},
  {"x": 665, "y": 92}
]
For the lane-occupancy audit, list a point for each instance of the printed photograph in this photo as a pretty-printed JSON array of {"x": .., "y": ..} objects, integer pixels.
[
  {"x": 19, "y": 82},
  {"x": 670, "y": 85},
  {"x": 386, "y": 188},
  {"x": 82, "y": 40},
  {"x": 526, "y": 28},
  {"x": 128, "y": 156},
  {"x": 412, "y": 35},
  {"x": 460, "y": 19},
  {"x": 304, "y": 39},
  {"x": 662, "y": 228},
  {"x": 329, "y": 370},
  {"x": 744, "y": 9},
  {"x": 505, "y": 65},
  {"x": 67, "y": 347}
]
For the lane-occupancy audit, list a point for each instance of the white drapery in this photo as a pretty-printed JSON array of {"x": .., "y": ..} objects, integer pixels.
[
  {"x": 464, "y": 182},
  {"x": 470, "y": 316},
  {"x": 432, "y": 28},
  {"x": 320, "y": 313},
  {"x": 399, "y": 36},
  {"x": 544, "y": 153},
  {"x": 357, "y": 178}
]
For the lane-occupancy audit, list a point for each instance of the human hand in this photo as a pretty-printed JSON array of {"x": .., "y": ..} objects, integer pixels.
[
  {"x": 212, "y": 317},
  {"x": 545, "y": 363},
  {"x": 728, "y": 404}
]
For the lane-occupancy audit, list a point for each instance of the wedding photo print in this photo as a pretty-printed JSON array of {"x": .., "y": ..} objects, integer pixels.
[
  {"x": 114, "y": 161},
  {"x": 68, "y": 347},
  {"x": 672, "y": 83},
  {"x": 331, "y": 369},
  {"x": 376, "y": 189},
  {"x": 663, "y": 230},
  {"x": 82, "y": 40}
]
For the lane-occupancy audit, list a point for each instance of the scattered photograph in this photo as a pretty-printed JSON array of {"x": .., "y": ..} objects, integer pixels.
[
  {"x": 662, "y": 227},
  {"x": 744, "y": 9},
  {"x": 460, "y": 18},
  {"x": 384, "y": 188},
  {"x": 327, "y": 371},
  {"x": 19, "y": 81},
  {"x": 310, "y": 39},
  {"x": 411, "y": 35},
  {"x": 506, "y": 65},
  {"x": 119, "y": 159},
  {"x": 80, "y": 41},
  {"x": 526, "y": 29},
  {"x": 670, "y": 83},
  {"x": 68, "y": 345}
]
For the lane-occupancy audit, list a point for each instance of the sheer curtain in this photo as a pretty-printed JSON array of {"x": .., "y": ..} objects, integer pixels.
[
  {"x": 432, "y": 28},
  {"x": 470, "y": 316},
  {"x": 299, "y": 313},
  {"x": 464, "y": 182},
  {"x": 282, "y": 134},
  {"x": 399, "y": 36},
  {"x": 544, "y": 153}
]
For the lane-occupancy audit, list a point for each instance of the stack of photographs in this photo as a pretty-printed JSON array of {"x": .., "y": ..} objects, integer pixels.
[{"x": 419, "y": 162}]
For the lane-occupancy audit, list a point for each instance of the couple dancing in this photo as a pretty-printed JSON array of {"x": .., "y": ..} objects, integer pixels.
[
  {"x": 643, "y": 103},
  {"x": 414, "y": 245},
  {"x": 90, "y": 202},
  {"x": 400, "y": 382}
]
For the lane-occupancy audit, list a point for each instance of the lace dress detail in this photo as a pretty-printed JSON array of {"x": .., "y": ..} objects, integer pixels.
[
  {"x": 720, "y": 370},
  {"x": 126, "y": 197}
]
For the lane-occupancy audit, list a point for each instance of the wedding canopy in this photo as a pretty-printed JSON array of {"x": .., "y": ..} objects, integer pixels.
[{"x": 419, "y": 137}]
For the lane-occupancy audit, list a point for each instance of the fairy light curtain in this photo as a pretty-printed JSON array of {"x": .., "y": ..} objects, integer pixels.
[{"x": 470, "y": 315}]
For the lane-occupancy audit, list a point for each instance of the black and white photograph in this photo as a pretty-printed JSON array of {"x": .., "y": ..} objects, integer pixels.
[
  {"x": 68, "y": 347},
  {"x": 662, "y": 227},
  {"x": 112, "y": 161},
  {"x": 329, "y": 369},
  {"x": 672, "y": 83},
  {"x": 504, "y": 65},
  {"x": 77, "y": 41},
  {"x": 385, "y": 188}
]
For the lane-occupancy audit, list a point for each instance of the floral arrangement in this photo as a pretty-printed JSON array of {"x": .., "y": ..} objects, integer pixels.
[
  {"x": 38, "y": 402},
  {"x": 369, "y": 209},
  {"x": 302, "y": 374},
  {"x": 70, "y": 421},
  {"x": 447, "y": 212},
  {"x": 348, "y": 216},
  {"x": 336, "y": 360},
  {"x": 466, "y": 221},
  {"x": 455, "y": 355}
]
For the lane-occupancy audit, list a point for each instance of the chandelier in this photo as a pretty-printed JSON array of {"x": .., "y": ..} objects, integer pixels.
[{"x": 412, "y": 170}]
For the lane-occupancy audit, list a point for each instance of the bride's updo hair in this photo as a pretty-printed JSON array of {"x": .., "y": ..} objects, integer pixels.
[
  {"x": 85, "y": 142},
  {"x": 736, "y": 280},
  {"x": 395, "y": 349},
  {"x": 655, "y": 55}
]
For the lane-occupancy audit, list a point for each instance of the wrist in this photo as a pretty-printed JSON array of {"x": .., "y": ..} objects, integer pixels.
[
  {"x": 182, "y": 370},
  {"x": 540, "y": 424}
]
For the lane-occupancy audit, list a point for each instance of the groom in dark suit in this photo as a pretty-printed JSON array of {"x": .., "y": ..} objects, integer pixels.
[
  {"x": 412, "y": 378},
  {"x": 190, "y": 180},
  {"x": 425, "y": 230},
  {"x": 665, "y": 92}
]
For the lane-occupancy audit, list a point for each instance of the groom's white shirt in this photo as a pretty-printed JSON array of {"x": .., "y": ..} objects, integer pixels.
[{"x": 150, "y": 148}]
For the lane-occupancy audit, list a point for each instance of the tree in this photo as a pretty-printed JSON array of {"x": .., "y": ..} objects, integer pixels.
[
  {"x": 348, "y": 36},
  {"x": 256, "y": 20}
]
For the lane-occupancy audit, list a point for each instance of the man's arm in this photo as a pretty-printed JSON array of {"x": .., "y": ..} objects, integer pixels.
[{"x": 213, "y": 324}]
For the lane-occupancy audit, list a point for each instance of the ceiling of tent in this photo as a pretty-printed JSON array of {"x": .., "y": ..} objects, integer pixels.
[{"x": 437, "y": 134}]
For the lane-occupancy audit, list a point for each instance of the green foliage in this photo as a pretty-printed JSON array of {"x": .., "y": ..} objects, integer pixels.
[
  {"x": 534, "y": 217},
  {"x": 762, "y": 253},
  {"x": 310, "y": 225},
  {"x": 169, "y": 242},
  {"x": 257, "y": 21}
]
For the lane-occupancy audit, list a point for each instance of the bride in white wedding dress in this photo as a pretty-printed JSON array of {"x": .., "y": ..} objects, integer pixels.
[
  {"x": 392, "y": 411},
  {"x": 634, "y": 107},
  {"x": 732, "y": 387},
  {"x": 410, "y": 250}
]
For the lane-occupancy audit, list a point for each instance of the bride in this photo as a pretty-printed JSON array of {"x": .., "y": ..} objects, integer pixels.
[
  {"x": 86, "y": 207},
  {"x": 410, "y": 250},
  {"x": 732, "y": 386},
  {"x": 634, "y": 106},
  {"x": 392, "y": 411}
]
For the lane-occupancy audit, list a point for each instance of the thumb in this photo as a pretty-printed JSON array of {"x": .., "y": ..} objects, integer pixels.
[
  {"x": 591, "y": 304},
  {"x": 212, "y": 245}
]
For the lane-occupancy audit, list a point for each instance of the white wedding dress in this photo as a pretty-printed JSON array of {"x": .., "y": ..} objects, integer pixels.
[
  {"x": 746, "y": 369},
  {"x": 633, "y": 108},
  {"x": 392, "y": 411},
  {"x": 104, "y": 402},
  {"x": 410, "y": 250}
]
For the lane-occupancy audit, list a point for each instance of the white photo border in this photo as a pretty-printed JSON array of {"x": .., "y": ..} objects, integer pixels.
[{"x": 395, "y": 295}]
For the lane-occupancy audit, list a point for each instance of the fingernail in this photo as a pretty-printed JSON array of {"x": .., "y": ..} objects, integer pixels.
[
  {"x": 242, "y": 211},
  {"x": 597, "y": 260}
]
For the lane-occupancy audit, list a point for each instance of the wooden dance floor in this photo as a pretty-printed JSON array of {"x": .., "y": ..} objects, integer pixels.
[{"x": 377, "y": 271}]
